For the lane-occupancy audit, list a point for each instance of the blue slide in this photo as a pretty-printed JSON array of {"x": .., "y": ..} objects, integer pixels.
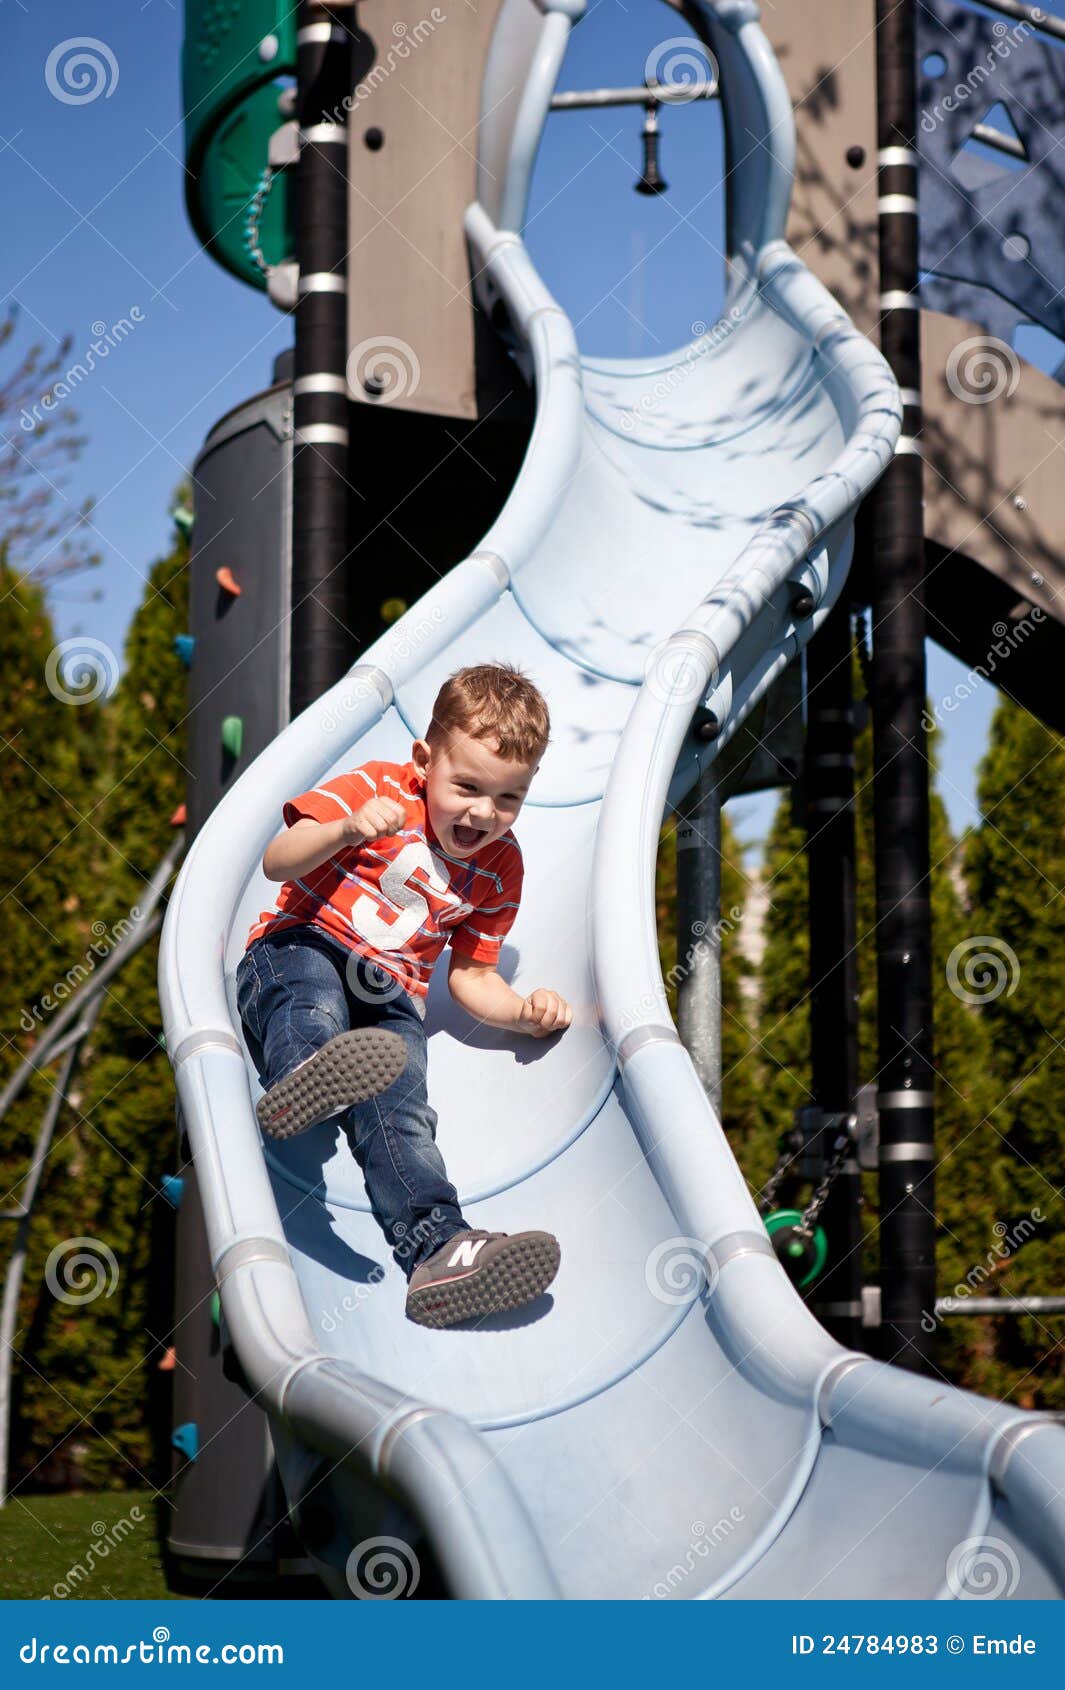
[{"x": 670, "y": 1420}]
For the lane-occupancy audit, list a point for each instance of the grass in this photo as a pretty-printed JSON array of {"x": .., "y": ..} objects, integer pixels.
[
  {"x": 107, "y": 1545},
  {"x": 45, "y": 1540}
]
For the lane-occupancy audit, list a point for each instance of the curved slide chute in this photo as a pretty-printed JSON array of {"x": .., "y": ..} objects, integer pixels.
[{"x": 635, "y": 1433}]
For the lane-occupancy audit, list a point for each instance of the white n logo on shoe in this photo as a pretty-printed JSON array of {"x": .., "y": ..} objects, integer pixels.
[{"x": 465, "y": 1254}]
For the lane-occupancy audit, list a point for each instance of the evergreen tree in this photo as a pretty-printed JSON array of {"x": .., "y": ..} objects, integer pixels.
[
  {"x": 119, "y": 1136},
  {"x": 1012, "y": 988},
  {"x": 963, "y": 1202},
  {"x": 737, "y": 1039}
]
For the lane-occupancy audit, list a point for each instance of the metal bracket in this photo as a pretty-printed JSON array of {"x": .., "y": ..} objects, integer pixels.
[
  {"x": 284, "y": 149},
  {"x": 813, "y": 1122},
  {"x": 868, "y": 1128},
  {"x": 282, "y": 284}
]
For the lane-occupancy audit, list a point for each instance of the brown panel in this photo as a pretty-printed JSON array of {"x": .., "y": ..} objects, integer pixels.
[
  {"x": 994, "y": 465},
  {"x": 408, "y": 270},
  {"x": 828, "y": 57}
]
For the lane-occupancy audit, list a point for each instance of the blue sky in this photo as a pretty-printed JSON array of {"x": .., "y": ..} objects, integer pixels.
[{"x": 96, "y": 231}]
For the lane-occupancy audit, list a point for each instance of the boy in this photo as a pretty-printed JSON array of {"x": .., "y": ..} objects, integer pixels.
[{"x": 381, "y": 867}]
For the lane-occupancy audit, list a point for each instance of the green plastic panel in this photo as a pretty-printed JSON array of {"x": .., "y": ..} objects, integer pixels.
[{"x": 234, "y": 54}]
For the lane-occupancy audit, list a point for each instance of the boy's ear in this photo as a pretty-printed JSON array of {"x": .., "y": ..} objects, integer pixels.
[{"x": 421, "y": 752}]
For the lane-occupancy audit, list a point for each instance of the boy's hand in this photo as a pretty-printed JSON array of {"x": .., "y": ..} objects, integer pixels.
[
  {"x": 378, "y": 816},
  {"x": 544, "y": 1012}
]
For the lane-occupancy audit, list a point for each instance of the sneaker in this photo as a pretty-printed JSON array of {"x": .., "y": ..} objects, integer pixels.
[
  {"x": 347, "y": 1069},
  {"x": 480, "y": 1272}
]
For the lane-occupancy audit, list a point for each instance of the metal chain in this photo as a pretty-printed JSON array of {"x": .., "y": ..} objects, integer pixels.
[
  {"x": 840, "y": 1151},
  {"x": 790, "y": 1146},
  {"x": 253, "y": 217}
]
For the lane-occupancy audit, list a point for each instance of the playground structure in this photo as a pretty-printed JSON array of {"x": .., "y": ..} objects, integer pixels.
[{"x": 675, "y": 1376}]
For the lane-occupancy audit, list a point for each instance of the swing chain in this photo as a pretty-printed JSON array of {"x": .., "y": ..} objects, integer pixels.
[
  {"x": 841, "y": 1151},
  {"x": 789, "y": 1148}
]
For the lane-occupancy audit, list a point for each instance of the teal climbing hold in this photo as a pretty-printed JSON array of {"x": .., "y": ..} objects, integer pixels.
[
  {"x": 172, "y": 1187},
  {"x": 183, "y": 519},
  {"x": 233, "y": 734},
  {"x": 160, "y": 1039},
  {"x": 216, "y": 1306},
  {"x": 186, "y": 1439},
  {"x": 185, "y": 645}
]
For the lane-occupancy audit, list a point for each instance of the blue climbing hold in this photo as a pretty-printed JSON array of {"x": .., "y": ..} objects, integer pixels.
[
  {"x": 186, "y": 1439},
  {"x": 172, "y": 1186},
  {"x": 185, "y": 645}
]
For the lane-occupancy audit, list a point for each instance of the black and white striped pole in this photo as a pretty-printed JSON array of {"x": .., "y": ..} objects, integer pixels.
[
  {"x": 900, "y": 762},
  {"x": 322, "y": 645}
]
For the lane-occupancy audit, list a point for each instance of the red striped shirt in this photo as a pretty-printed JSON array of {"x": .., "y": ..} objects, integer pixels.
[{"x": 400, "y": 898}]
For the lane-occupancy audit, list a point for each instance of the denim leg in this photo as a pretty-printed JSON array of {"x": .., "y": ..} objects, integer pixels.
[
  {"x": 298, "y": 988},
  {"x": 393, "y": 1139},
  {"x": 292, "y": 999}
]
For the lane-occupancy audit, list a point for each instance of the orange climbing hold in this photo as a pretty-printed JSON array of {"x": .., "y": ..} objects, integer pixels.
[
  {"x": 169, "y": 1361},
  {"x": 180, "y": 816},
  {"x": 228, "y": 581}
]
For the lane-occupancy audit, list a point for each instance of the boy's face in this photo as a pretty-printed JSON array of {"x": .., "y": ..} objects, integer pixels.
[{"x": 472, "y": 794}]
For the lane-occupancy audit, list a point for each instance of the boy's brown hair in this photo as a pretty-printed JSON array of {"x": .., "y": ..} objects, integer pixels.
[{"x": 493, "y": 701}]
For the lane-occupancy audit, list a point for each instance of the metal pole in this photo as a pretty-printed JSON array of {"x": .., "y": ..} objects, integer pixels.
[
  {"x": 321, "y": 642},
  {"x": 1000, "y": 1305},
  {"x": 900, "y": 787},
  {"x": 143, "y": 923},
  {"x": 698, "y": 933},
  {"x": 830, "y": 858},
  {"x": 17, "y": 1260}
]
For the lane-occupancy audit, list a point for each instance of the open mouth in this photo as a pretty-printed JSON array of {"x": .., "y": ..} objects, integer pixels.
[{"x": 466, "y": 836}]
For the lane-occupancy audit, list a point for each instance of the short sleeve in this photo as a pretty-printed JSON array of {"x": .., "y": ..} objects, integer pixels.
[
  {"x": 334, "y": 799},
  {"x": 480, "y": 937}
]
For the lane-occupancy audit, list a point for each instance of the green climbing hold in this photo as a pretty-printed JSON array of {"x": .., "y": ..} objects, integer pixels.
[
  {"x": 216, "y": 1307},
  {"x": 233, "y": 735},
  {"x": 183, "y": 519}
]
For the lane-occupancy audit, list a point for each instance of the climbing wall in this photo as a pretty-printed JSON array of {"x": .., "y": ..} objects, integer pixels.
[
  {"x": 239, "y": 590},
  {"x": 229, "y": 1515}
]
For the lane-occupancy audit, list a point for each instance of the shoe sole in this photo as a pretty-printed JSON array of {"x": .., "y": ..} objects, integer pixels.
[
  {"x": 512, "y": 1278},
  {"x": 348, "y": 1069}
]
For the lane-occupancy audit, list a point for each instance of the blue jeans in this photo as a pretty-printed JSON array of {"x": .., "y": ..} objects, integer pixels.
[{"x": 300, "y": 987}]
